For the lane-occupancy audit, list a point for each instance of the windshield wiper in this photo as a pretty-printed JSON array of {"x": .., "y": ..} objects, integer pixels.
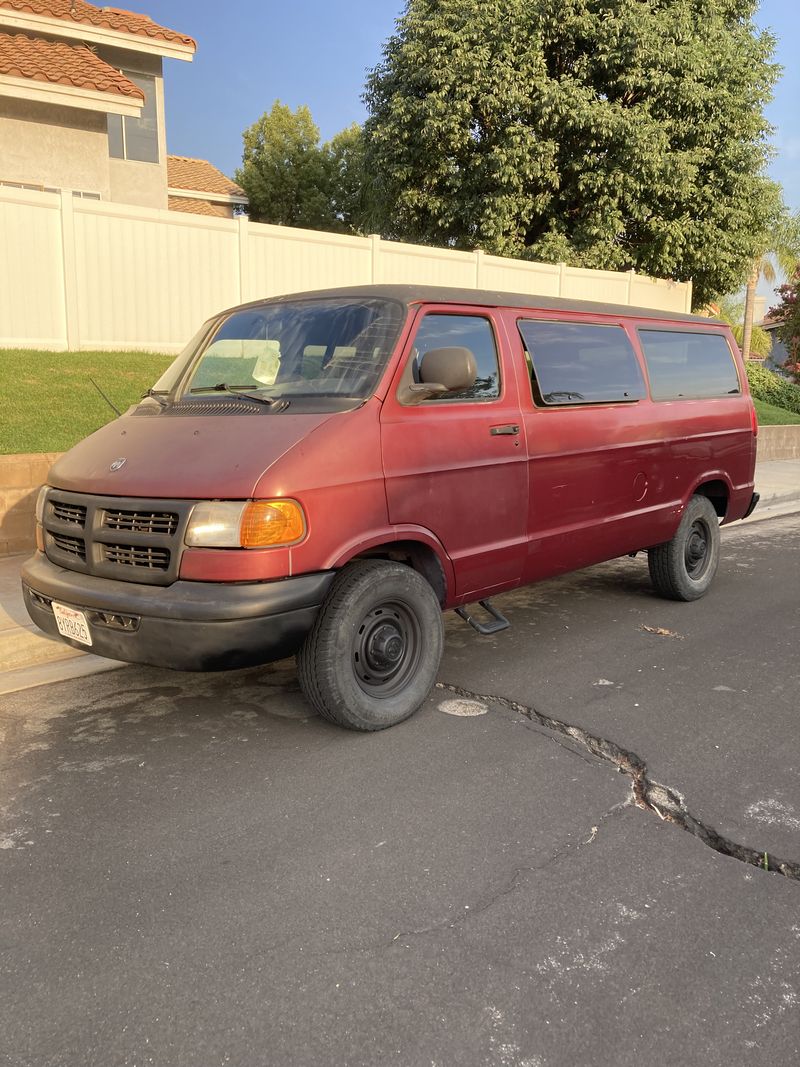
[
  {"x": 156, "y": 395},
  {"x": 237, "y": 390}
]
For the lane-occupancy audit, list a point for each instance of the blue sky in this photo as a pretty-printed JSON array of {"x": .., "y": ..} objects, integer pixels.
[
  {"x": 783, "y": 18},
  {"x": 316, "y": 52},
  {"x": 299, "y": 51}
]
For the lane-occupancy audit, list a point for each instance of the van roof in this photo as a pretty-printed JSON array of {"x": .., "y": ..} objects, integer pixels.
[{"x": 439, "y": 294}]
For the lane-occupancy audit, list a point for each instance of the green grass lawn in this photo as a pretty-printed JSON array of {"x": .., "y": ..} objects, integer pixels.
[
  {"x": 769, "y": 415},
  {"x": 48, "y": 403}
]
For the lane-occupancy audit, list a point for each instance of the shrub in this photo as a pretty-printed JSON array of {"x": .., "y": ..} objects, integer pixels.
[
  {"x": 769, "y": 387},
  {"x": 788, "y": 313}
]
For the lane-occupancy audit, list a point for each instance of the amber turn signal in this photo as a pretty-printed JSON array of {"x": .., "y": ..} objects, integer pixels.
[{"x": 272, "y": 522}]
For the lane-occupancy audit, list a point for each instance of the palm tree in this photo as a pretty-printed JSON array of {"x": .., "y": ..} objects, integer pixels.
[
  {"x": 781, "y": 248},
  {"x": 731, "y": 311}
]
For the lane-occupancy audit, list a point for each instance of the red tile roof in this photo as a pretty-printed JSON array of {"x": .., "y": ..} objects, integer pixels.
[
  {"x": 199, "y": 176},
  {"x": 199, "y": 207},
  {"x": 112, "y": 18},
  {"x": 60, "y": 63}
]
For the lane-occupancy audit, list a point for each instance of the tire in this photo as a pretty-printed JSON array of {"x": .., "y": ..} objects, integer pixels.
[
  {"x": 684, "y": 568},
  {"x": 373, "y": 654}
]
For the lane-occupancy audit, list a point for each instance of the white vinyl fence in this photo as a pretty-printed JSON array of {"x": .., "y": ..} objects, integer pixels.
[{"x": 81, "y": 274}]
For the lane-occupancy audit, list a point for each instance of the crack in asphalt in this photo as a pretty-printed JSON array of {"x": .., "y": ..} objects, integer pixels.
[
  {"x": 479, "y": 906},
  {"x": 649, "y": 795},
  {"x": 509, "y": 885}
]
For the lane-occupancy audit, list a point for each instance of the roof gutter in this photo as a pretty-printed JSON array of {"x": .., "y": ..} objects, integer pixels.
[
  {"x": 69, "y": 96},
  {"x": 199, "y": 194},
  {"x": 86, "y": 31}
]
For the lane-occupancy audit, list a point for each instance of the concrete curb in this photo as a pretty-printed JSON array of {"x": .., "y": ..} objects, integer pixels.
[
  {"x": 62, "y": 670},
  {"x": 773, "y": 510}
]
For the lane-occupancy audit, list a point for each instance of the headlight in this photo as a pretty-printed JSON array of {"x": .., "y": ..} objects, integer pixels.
[
  {"x": 40, "y": 502},
  {"x": 252, "y": 524}
]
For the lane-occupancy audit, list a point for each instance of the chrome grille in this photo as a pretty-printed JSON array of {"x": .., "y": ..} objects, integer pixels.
[
  {"x": 160, "y": 522},
  {"x": 154, "y": 559},
  {"x": 73, "y": 546},
  {"x": 74, "y": 514}
]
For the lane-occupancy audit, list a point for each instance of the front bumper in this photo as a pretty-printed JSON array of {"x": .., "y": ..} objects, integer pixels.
[{"x": 190, "y": 626}]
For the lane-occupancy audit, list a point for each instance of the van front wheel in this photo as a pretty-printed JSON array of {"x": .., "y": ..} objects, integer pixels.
[
  {"x": 373, "y": 653},
  {"x": 684, "y": 568}
]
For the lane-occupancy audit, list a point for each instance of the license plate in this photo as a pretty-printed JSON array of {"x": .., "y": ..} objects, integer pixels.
[{"x": 72, "y": 623}]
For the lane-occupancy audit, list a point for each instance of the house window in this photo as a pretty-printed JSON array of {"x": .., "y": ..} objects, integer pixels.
[
  {"x": 30, "y": 187},
  {"x": 136, "y": 138},
  {"x": 49, "y": 189}
]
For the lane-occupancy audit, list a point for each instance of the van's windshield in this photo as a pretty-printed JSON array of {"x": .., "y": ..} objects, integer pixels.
[{"x": 299, "y": 348}]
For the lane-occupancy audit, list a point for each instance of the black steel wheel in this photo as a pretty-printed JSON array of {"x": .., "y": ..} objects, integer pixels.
[
  {"x": 684, "y": 568},
  {"x": 387, "y": 649},
  {"x": 373, "y": 653}
]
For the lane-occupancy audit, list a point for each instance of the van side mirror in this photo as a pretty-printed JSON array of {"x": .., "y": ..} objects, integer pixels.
[{"x": 442, "y": 371}]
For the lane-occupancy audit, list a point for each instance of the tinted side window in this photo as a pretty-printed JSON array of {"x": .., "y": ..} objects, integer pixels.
[
  {"x": 688, "y": 365},
  {"x": 575, "y": 363},
  {"x": 461, "y": 331}
]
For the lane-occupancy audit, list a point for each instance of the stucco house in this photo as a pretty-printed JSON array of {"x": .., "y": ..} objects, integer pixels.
[
  {"x": 780, "y": 353},
  {"x": 82, "y": 102}
]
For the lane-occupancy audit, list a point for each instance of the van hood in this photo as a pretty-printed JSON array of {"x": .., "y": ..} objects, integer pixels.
[{"x": 188, "y": 457}]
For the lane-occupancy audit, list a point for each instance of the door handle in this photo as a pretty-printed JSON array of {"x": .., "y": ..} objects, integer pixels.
[{"x": 510, "y": 430}]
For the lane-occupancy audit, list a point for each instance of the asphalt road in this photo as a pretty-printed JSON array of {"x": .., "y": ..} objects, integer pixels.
[{"x": 196, "y": 871}]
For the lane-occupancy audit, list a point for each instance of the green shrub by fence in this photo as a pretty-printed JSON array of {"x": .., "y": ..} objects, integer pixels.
[{"x": 770, "y": 387}]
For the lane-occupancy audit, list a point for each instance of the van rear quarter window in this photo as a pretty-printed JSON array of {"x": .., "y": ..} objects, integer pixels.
[
  {"x": 580, "y": 363},
  {"x": 685, "y": 365}
]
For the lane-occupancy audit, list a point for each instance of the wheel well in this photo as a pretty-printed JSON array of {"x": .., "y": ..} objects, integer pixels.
[
  {"x": 717, "y": 493},
  {"x": 419, "y": 557}
]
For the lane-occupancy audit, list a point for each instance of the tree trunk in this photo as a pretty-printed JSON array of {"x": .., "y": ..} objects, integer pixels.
[{"x": 749, "y": 306}]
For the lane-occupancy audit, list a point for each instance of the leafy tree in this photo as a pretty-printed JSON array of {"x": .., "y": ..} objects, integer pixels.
[
  {"x": 607, "y": 133},
  {"x": 292, "y": 180},
  {"x": 788, "y": 310},
  {"x": 732, "y": 312},
  {"x": 348, "y": 187},
  {"x": 781, "y": 243},
  {"x": 284, "y": 171}
]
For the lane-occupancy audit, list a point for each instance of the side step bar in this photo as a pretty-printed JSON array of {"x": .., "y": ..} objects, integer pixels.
[{"x": 486, "y": 628}]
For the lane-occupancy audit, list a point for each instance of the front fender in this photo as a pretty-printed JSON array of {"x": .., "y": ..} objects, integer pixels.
[{"x": 388, "y": 536}]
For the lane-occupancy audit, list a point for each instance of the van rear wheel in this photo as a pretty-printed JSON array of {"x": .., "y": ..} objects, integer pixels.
[
  {"x": 373, "y": 653},
  {"x": 684, "y": 568}
]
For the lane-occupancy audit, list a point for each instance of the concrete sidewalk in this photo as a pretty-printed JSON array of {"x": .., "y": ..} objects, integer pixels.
[{"x": 29, "y": 658}]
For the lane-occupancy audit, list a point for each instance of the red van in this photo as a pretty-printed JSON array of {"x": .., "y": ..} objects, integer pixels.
[{"x": 325, "y": 473}]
